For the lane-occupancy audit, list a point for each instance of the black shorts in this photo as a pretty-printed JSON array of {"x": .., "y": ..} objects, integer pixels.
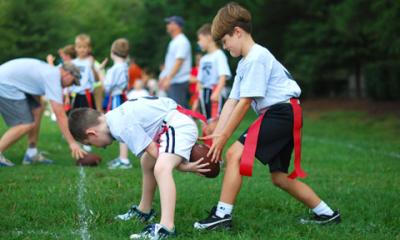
[
  {"x": 275, "y": 140},
  {"x": 81, "y": 101},
  {"x": 206, "y": 105}
]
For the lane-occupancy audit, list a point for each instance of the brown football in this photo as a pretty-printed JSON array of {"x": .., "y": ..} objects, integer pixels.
[
  {"x": 200, "y": 151},
  {"x": 90, "y": 159}
]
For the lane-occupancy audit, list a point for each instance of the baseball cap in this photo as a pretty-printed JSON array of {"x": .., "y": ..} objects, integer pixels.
[
  {"x": 74, "y": 71},
  {"x": 176, "y": 19}
]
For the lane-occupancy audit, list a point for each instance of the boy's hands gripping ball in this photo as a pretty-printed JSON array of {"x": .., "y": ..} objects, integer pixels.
[
  {"x": 90, "y": 159},
  {"x": 200, "y": 151}
]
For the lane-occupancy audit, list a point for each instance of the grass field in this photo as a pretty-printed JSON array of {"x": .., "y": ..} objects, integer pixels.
[{"x": 353, "y": 161}]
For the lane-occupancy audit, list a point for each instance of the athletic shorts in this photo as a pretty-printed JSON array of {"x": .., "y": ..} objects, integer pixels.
[
  {"x": 208, "y": 108},
  {"x": 16, "y": 112},
  {"x": 275, "y": 140},
  {"x": 179, "y": 136},
  {"x": 179, "y": 92},
  {"x": 81, "y": 101}
]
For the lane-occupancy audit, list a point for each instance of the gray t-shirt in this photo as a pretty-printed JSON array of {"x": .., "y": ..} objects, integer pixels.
[
  {"x": 212, "y": 66},
  {"x": 178, "y": 48},
  {"x": 138, "y": 121},
  {"x": 260, "y": 76},
  {"x": 30, "y": 76},
  {"x": 116, "y": 79}
]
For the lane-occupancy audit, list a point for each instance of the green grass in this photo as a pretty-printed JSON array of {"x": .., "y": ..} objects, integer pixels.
[{"x": 352, "y": 159}]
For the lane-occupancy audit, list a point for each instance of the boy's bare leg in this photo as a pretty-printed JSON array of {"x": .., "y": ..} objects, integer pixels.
[
  {"x": 232, "y": 178},
  {"x": 297, "y": 189},
  {"x": 33, "y": 134},
  {"x": 13, "y": 134},
  {"x": 149, "y": 183},
  {"x": 165, "y": 164},
  {"x": 123, "y": 151}
]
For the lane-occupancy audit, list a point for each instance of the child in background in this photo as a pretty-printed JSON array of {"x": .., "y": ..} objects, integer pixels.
[
  {"x": 135, "y": 73},
  {"x": 115, "y": 83},
  {"x": 82, "y": 96},
  {"x": 150, "y": 82},
  {"x": 213, "y": 73},
  {"x": 138, "y": 90}
]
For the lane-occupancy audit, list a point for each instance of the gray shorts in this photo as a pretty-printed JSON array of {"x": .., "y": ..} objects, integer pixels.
[
  {"x": 180, "y": 93},
  {"x": 16, "y": 112}
]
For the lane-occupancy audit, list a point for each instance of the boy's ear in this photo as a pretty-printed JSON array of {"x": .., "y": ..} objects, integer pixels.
[{"x": 91, "y": 132}]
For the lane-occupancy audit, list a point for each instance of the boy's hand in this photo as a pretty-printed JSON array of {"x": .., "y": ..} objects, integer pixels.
[
  {"x": 214, "y": 97},
  {"x": 219, "y": 142},
  {"x": 195, "y": 167},
  {"x": 76, "y": 151},
  {"x": 103, "y": 64}
]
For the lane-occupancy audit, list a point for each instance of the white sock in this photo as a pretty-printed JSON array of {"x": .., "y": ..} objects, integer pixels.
[
  {"x": 32, "y": 152},
  {"x": 124, "y": 160},
  {"x": 323, "y": 209},
  {"x": 223, "y": 209}
]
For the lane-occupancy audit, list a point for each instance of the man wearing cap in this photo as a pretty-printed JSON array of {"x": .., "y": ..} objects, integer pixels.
[
  {"x": 22, "y": 82},
  {"x": 178, "y": 62}
]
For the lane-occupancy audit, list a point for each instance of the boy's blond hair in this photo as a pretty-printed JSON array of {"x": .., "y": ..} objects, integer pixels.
[
  {"x": 120, "y": 47},
  {"x": 69, "y": 50},
  {"x": 228, "y": 17},
  {"x": 83, "y": 38},
  {"x": 204, "y": 30}
]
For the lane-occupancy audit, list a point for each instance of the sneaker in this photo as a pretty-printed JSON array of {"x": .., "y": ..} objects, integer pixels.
[
  {"x": 4, "y": 162},
  {"x": 134, "y": 212},
  {"x": 38, "y": 158},
  {"x": 322, "y": 219},
  {"x": 214, "y": 222},
  {"x": 109, "y": 163},
  {"x": 87, "y": 148},
  {"x": 154, "y": 232},
  {"x": 120, "y": 165}
]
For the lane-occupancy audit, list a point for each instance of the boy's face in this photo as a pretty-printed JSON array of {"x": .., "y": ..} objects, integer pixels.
[
  {"x": 204, "y": 41},
  {"x": 82, "y": 49},
  {"x": 233, "y": 43},
  {"x": 98, "y": 136}
]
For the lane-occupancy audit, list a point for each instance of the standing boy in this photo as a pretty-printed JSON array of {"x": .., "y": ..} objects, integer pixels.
[
  {"x": 115, "y": 85},
  {"x": 162, "y": 136},
  {"x": 264, "y": 84},
  {"x": 213, "y": 73}
]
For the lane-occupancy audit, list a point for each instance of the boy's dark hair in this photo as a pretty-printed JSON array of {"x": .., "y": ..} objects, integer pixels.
[
  {"x": 69, "y": 50},
  {"x": 204, "y": 30},
  {"x": 80, "y": 119},
  {"x": 228, "y": 17}
]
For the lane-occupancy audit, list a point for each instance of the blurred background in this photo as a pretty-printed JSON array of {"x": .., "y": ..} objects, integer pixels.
[{"x": 348, "y": 49}]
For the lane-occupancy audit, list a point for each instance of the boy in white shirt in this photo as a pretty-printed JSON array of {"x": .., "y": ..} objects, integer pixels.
[
  {"x": 162, "y": 136},
  {"x": 115, "y": 83},
  {"x": 261, "y": 82}
]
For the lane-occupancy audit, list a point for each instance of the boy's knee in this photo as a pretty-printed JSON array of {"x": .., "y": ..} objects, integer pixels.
[
  {"x": 161, "y": 168},
  {"x": 280, "y": 181},
  {"x": 233, "y": 156}
]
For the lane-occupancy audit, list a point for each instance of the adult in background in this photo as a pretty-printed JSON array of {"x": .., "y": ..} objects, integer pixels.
[
  {"x": 174, "y": 79},
  {"x": 22, "y": 82}
]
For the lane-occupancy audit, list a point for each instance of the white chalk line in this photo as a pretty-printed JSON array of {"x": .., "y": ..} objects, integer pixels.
[
  {"x": 83, "y": 211},
  {"x": 353, "y": 146}
]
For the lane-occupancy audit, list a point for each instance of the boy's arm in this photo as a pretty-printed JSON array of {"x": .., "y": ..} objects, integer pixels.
[
  {"x": 227, "y": 126},
  {"x": 221, "y": 84}
]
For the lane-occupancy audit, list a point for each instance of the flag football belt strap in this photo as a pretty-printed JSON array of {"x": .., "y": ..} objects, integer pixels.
[
  {"x": 250, "y": 144},
  {"x": 89, "y": 98}
]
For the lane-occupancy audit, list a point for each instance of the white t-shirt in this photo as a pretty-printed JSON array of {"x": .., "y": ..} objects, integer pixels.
[
  {"x": 260, "y": 76},
  {"x": 87, "y": 76},
  {"x": 138, "y": 121},
  {"x": 178, "y": 48},
  {"x": 132, "y": 94},
  {"x": 212, "y": 67},
  {"x": 30, "y": 76},
  {"x": 116, "y": 79}
]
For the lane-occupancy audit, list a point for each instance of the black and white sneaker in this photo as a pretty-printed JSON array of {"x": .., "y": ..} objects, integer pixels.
[
  {"x": 135, "y": 213},
  {"x": 323, "y": 219},
  {"x": 214, "y": 222},
  {"x": 154, "y": 232}
]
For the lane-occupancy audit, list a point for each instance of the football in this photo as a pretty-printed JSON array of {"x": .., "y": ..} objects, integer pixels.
[
  {"x": 200, "y": 151},
  {"x": 90, "y": 159}
]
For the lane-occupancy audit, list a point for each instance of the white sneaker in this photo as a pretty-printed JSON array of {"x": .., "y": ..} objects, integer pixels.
[
  {"x": 4, "y": 162},
  {"x": 120, "y": 165}
]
